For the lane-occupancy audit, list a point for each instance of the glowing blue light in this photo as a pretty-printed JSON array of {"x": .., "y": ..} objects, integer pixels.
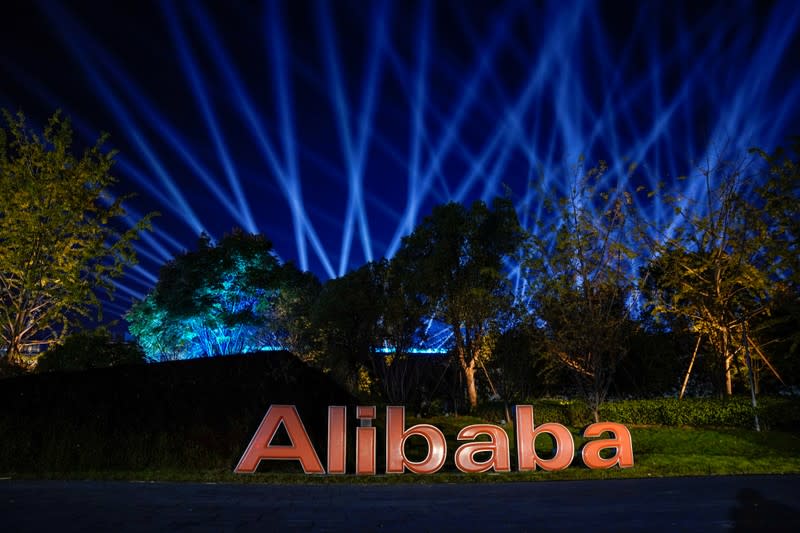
[
  {"x": 69, "y": 30},
  {"x": 357, "y": 130},
  {"x": 197, "y": 85}
]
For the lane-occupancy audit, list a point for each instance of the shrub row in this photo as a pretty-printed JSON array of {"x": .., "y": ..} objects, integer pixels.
[
  {"x": 737, "y": 412},
  {"x": 572, "y": 413}
]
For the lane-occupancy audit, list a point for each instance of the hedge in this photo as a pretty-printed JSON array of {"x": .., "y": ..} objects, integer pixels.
[
  {"x": 735, "y": 412},
  {"x": 774, "y": 412}
]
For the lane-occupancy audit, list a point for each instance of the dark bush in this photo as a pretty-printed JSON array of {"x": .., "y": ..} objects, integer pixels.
[
  {"x": 90, "y": 349},
  {"x": 196, "y": 414}
]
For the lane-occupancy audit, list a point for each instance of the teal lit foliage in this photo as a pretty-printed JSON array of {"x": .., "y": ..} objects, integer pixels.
[{"x": 218, "y": 300}]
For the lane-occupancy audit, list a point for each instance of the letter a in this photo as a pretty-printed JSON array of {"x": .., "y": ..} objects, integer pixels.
[
  {"x": 497, "y": 447},
  {"x": 621, "y": 441},
  {"x": 261, "y": 446}
]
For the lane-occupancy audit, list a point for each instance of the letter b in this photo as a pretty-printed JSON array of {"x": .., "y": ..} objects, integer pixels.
[{"x": 396, "y": 436}]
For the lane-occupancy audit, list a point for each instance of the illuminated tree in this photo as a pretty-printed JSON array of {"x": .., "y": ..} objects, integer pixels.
[
  {"x": 59, "y": 238},
  {"x": 292, "y": 313},
  {"x": 217, "y": 300},
  {"x": 780, "y": 194},
  {"x": 712, "y": 272},
  {"x": 454, "y": 262},
  {"x": 162, "y": 336},
  {"x": 778, "y": 332},
  {"x": 580, "y": 276}
]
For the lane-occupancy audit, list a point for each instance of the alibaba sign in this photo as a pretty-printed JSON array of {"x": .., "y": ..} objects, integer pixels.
[{"x": 618, "y": 447}]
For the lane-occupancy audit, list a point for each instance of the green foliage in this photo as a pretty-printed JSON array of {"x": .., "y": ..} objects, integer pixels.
[
  {"x": 779, "y": 333},
  {"x": 60, "y": 233},
  {"x": 735, "y": 412},
  {"x": 217, "y": 300},
  {"x": 572, "y": 413},
  {"x": 582, "y": 282},
  {"x": 775, "y": 413},
  {"x": 779, "y": 338},
  {"x": 292, "y": 313},
  {"x": 89, "y": 349},
  {"x": 453, "y": 261},
  {"x": 712, "y": 272},
  {"x": 780, "y": 195},
  {"x": 520, "y": 366},
  {"x": 360, "y": 314},
  {"x": 161, "y": 336},
  {"x": 347, "y": 318}
]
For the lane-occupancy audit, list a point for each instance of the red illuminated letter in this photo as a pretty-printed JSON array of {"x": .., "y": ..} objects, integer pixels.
[
  {"x": 526, "y": 442},
  {"x": 337, "y": 439},
  {"x": 621, "y": 441},
  {"x": 261, "y": 446},
  {"x": 396, "y": 436},
  {"x": 365, "y": 440},
  {"x": 497, "y": 446}
]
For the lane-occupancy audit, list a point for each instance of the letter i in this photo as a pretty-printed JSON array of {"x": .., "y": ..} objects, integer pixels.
[{"x": 365, "y": 440}]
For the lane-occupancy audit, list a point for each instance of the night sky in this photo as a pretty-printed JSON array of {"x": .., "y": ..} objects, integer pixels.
[{"x": 334, "y": 127}]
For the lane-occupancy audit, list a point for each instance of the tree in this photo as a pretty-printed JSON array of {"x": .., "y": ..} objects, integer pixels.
[
  {"x": 580, "y": 277},
  {"x": 520, "y": 366},
  {"x": 401, "y": 327},
  {"x": 162, "y": 336},
  {"x": 217, "y": 300},
  {"x": 292, "y": 313},
  {"x": 454, "y": 262},
  {"x": 711, "y": 272},
  {"x": 60, "y": 237},
  {"x": 776, "y": 340},
  {"x": 779, "y": 194},
  {"x": 366, "y": 322},
  {"x": 347, "y": 317}
]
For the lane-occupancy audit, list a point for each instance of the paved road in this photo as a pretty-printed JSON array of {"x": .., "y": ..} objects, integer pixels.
[{"x": 747, "y": 503}]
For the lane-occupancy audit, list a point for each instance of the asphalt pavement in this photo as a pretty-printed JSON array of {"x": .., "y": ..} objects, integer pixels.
[{"x": 703, "y": 504}]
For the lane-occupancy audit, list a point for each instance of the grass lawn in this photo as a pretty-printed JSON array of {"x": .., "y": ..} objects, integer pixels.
[{"x": 658, "y": 452}]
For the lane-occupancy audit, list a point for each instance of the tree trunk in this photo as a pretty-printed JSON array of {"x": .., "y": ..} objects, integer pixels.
[
  {"x": 472, "y": 390},
  {"x": 594, "y": 402},
  {"x": 13, "y": 353},
  {"x": 689, "y": 370},
  {"x": 727, "y": 363},
  {"x": 468, "y": 362},
  {"x": 723, "y": 381},
  {"x": 728, "y": 376}
]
